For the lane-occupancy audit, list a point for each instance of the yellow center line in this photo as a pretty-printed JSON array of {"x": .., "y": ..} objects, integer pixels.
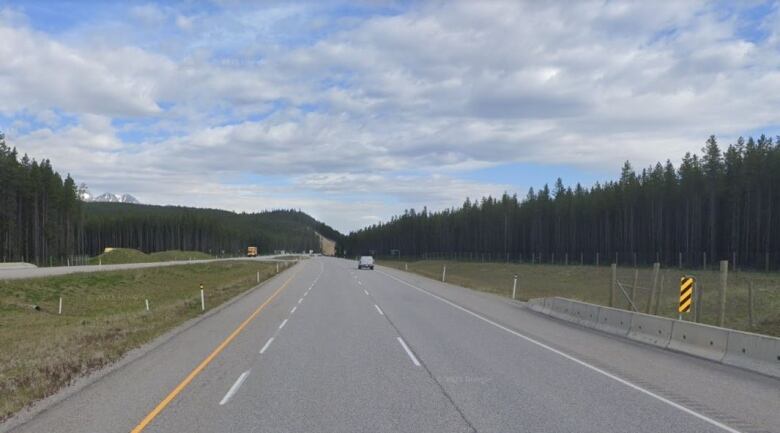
[{"x": 194, "y": 373}]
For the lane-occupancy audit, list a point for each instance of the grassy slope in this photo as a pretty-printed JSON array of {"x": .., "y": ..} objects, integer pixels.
[
  {"x": 127, "y": 255},
  {"x": 591, "y": 284},
  {"x": 103, "y": 317}
]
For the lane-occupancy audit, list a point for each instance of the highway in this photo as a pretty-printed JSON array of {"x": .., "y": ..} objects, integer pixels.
[
  {"x": 16, "y": 273},
  {"x": 323, "y": 347}
]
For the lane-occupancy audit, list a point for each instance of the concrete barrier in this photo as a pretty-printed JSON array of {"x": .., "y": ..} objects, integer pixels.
[
  {"x": 16, "y": 265},
  {"x": 650, "y": 329},
  {"x": 614, "y": 321},
  {"x": 755, "y": 352},
  {"x": 700, "y": 340},
  {"x": 561, "y": 308},
  {"x": 537, "y": 304},
  {"x": 759, "y": 353},
  {"x": 546, "y": 306},
  {"x": 585, "y": 314}
]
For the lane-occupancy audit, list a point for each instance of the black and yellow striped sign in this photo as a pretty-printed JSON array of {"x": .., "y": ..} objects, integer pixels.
[{"x": 686, "y": 294}]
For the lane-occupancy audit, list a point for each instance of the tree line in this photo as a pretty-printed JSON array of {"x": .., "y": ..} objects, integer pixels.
[
  {"x": 722, "y": 205},
  {"x": 43, "y": 220},
  {"x": 217, "y": 232},
  {"x": 39, "y": 211}
]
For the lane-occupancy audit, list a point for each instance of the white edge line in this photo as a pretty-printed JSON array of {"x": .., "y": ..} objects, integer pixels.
[
  {"x": 293, "y": 310},
  {"x": 267, "y": 343},
  {"x": 378, "y": 309},
  {"x": 283, "y": 323},
  {"x": 569, "y": 357},
  {"x": 408, "y": 351},
  {"x": 233, "y": 389}
]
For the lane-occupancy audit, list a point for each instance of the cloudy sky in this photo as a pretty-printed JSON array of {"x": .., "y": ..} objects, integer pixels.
[{"x": 355, "y": 111}]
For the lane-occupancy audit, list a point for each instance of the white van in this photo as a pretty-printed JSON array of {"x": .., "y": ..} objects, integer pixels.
[{"x": 366, "y": 262}]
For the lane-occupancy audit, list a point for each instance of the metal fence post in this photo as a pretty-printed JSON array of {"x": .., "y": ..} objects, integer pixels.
[
  {"x": 698, "y": 294},
  {"x": 656, "y": 271},
  {"x": 750, "y": 304},
  {"x": 613, "y": 285},
  {"x": 661, "y": 294},
  {"x": 724, "y": 275}
]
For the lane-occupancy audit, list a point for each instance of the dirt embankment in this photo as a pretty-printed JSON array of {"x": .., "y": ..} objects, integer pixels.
[{"x": 327, "y": 246}]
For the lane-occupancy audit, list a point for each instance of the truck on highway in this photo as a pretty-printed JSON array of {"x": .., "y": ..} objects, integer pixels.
[{"x": 251, "y": 252}]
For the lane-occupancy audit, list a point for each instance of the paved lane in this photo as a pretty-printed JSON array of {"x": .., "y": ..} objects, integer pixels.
[
  {"x": 482, "y": 347},
  {"x": 333, "y": 349},
  {"x": 335, "y": 366}
]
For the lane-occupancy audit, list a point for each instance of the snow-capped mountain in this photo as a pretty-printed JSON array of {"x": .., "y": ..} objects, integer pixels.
[{"x": 113, "y": 198}]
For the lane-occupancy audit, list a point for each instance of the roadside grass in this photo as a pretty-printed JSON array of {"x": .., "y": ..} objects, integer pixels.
[
  {"x": 128, "y": 255},
  {"x": 592, "y": 284},
  {"x": 103, "y": 317}
]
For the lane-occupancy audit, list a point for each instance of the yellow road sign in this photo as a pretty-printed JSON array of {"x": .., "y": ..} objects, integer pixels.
[{"x": 686, "y": 294}]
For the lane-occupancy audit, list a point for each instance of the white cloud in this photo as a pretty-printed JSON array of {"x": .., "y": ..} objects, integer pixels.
[
  {"x": 349, "y": 112},
  {"x": 148, "y": 14}
]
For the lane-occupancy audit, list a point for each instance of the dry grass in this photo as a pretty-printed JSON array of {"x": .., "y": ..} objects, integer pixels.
[
  {"x": 592, "y": 284},
  {"x": 103, "y": 317}
]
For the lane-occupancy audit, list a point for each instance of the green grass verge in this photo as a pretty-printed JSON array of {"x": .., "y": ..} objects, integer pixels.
[
  {"x": 104, "y": 316},
  {"x": 592, "y": 284},
  {"x": 127, "y": 255}
]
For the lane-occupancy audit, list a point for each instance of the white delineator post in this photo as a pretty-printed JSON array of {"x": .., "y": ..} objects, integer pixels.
[
  {"x": 60, "y": 309},
  {"x": 277, "y": 267},
  {"x": 258, "y": 276},
  {"x": 514, "y": 287},
  {"x": 202, "y": 299},
  {"x": 406, "y": 266},
  {"x": 147, "y": 304},
  {"x": 443, "y": 273}
]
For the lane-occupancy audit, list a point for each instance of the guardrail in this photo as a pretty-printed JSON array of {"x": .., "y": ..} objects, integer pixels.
[{"x": 755, "y": 352}]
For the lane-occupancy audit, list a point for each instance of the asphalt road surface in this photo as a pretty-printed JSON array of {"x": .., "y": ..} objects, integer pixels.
[
  {"x": 15, "y": 273},
  {"x": 327, "y": 348}
]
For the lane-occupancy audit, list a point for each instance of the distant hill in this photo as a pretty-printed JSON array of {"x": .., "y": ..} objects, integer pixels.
[{"x": 151, "y": 228}]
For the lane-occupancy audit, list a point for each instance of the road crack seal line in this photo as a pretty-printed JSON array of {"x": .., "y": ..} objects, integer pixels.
[{"x": 428, "y": 371}]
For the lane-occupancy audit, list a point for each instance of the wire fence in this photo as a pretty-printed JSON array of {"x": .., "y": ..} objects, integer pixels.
[{"x": 594, "y": 284}]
